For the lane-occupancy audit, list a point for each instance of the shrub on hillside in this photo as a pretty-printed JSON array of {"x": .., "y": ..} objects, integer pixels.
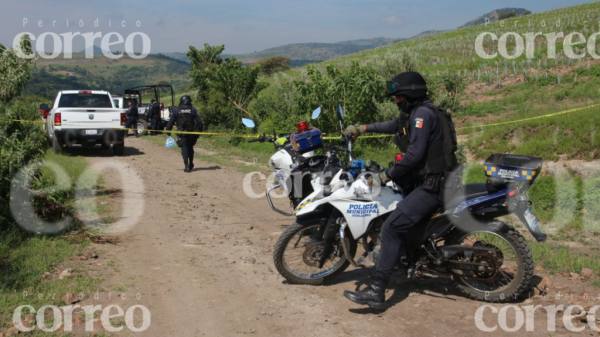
[{"x": 22, "y": 143}]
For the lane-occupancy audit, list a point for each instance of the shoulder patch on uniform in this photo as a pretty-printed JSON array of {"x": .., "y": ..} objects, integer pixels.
[{"x": 419, "y": 123}]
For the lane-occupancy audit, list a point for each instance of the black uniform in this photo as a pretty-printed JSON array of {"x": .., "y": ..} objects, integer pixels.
[
  {"x": 187, "y": 119},
  {"x": 424, "y": 131},
  {"x": 132, "y": 118},
  {"x": 155, "y": 117}
]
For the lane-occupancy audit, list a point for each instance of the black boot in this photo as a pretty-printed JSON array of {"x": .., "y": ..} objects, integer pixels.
[
  {"x": 191, "y": 166},
  {"x": 373, "y": 296}
]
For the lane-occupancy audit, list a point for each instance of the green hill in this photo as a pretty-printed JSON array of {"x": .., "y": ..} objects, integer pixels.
[
  {"x": 49, "y": 76},
  {"x": 317, "y": 51},
  {"x": 304, "y": 53},
  {"x": 506, "y": 90}
]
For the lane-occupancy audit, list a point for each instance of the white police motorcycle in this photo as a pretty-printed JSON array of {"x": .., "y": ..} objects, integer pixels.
[{"x": 464, "y": 240}]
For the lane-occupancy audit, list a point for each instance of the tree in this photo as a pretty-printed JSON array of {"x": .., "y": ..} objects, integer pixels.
[
  {"x": 201, "y": 63},
  {"x": 237, "y": 82},
  {"x": 14, "y": 69},
  {"x": 225, "y": 86},
  {"x": 273, "y": 64},
  {"x": 358, "y": 90}
]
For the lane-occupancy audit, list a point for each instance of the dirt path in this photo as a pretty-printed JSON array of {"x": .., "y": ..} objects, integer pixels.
[{"x": 200, "y": 257}]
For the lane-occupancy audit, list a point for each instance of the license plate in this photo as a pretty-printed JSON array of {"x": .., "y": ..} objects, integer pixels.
[
  {"x": 531, "y": 219},
  {"x": 91, "y": 132}
]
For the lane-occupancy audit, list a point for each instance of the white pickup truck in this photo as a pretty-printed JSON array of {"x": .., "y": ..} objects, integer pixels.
[{"x": 85, "y": 117}]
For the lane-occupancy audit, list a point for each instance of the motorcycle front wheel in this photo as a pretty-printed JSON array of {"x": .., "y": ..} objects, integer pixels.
[{"x": 297, "y": 253}]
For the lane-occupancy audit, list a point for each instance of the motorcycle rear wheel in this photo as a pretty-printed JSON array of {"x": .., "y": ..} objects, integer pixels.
[
  {"x": 295, "y": 243},
  {"x": 515, "y": 267}
]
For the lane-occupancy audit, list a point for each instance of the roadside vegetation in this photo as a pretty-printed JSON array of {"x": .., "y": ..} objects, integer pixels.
[{"x": 30, "y": 264}]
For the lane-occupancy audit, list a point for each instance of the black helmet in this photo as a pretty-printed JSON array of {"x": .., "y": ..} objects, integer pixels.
[
  {"x": 409, "y": 84},
  {"x": 152, "y": 100},
  {"x": 185, "y": 100}
]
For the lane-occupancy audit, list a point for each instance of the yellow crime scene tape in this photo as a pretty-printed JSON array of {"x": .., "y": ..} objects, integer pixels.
[
  {"x": 534, "y": 118},
  {"x": 221, "y": 134}
]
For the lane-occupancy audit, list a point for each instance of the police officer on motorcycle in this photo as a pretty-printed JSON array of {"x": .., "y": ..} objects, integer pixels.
[
  {"x": 424, "y": 139},
  {"x": 188, "y": 120}
]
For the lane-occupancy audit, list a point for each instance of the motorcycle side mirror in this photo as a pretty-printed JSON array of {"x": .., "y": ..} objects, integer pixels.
[
  {"x": 248, "y": 123},
  {"x": 340, "y": 112},
  {"x": 316, "y": 113}
]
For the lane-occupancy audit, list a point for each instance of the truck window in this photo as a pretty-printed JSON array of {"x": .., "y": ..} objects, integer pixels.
[
  {"x": 116, "y": 101},
  {"x": 84, "y": 101}
]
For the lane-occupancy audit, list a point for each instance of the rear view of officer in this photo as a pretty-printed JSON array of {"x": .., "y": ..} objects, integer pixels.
[
  {"x": 132, "y": 116},
  {"x": 188, "y": 120},
  {"x": 154, "y": 115},
  {"x": 426, "y": 136}
]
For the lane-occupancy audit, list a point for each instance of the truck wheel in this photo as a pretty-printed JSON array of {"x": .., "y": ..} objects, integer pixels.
[
  {"x": 142, "y": 127},
  {"x": 56, "y": 147},
  {"x": 118, "y": 149}
]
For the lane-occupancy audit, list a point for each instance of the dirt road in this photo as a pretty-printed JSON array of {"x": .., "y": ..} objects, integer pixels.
[{"x": 200, "y": 257}]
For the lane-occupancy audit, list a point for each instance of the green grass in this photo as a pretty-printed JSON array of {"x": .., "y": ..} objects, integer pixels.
[
  {"x": 25, "y": 258},
  {"x": 563, "y": 259},
  {"x": 73, "y": 166}
]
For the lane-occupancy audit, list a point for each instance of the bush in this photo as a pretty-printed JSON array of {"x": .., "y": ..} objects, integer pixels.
[
  {"x": 14, "y": 70},
  {"x": 22, "y": 143},
  {"x": 391, "y": 64},
  {"x": 273, "y": 64}
]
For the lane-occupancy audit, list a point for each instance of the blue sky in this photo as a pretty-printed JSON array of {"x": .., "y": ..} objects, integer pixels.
[{"x": 246, "y": 25}]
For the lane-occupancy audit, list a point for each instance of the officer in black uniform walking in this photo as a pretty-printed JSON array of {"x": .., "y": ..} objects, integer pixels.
[
  {"x": 188, "y": 120},
  {"x": 420, "y": 137},
  {"x": 132, "y": 117}
]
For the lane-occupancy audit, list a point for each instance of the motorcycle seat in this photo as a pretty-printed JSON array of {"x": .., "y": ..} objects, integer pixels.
[{"x": 467, "y": 192}]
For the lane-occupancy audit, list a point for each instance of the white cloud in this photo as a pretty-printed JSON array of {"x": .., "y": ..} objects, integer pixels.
[{"x": 393, "y": 20}]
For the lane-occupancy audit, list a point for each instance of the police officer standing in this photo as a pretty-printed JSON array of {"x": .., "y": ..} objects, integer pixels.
[
  {"x": 421, "y": 139},
  {"x": 188, "y": 120},
  {"x": 132, "y": 117},
  {"x": 154, "y": 115}
]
